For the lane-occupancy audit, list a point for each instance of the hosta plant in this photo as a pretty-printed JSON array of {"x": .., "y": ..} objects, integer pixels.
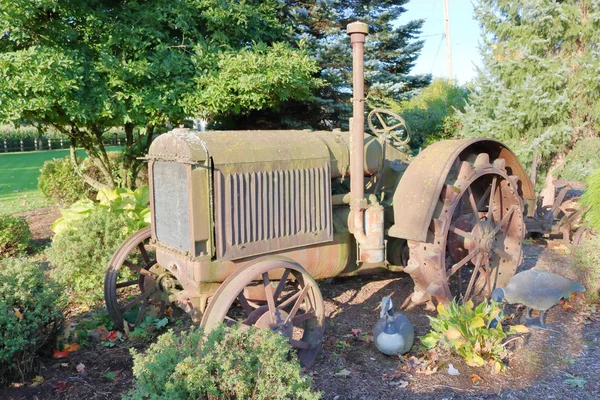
[
  {"x": 133, "y": 205},
  {"x": 474, "y": 333}
]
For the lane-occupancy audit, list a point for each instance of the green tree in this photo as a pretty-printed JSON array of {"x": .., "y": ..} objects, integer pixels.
[
  {"x": 431, "y": 114},
  {"x": 390, "y": 53},
  {"x": 538, "y": 86},
  {"x": 84, "y": 66}
]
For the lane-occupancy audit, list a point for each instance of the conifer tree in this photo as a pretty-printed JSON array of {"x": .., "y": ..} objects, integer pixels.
[
  {"x": 539, "y": 83},
  {"x": 390, "y": 53}
]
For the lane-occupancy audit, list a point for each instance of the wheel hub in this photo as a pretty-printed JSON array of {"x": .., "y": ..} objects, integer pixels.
[
  {"x": 484, "y": 237},
  {"x": 286, "y": 329}
]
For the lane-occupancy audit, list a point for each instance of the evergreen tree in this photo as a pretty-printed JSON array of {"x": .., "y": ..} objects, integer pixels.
[
  {"x": 539, "y": 84},
  {"x": 390, "y": 53}
]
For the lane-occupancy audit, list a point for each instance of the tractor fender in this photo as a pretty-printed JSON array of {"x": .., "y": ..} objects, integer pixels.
[{"x": 418, "y": 192}]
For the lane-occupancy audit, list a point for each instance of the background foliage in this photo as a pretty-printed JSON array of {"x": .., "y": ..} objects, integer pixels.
[
  {"x": 235, "y": 363},
  {"x": 88, "y": 65},
  {"x": 390, "y": 53},
  {"x": 431, "y": 114},
  {"x": 538, "y": 85}
]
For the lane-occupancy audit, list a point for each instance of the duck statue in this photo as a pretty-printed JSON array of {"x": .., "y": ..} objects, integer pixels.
[
  {"x": 393, "y": 333},
  {"x": 536, "y": 290}
]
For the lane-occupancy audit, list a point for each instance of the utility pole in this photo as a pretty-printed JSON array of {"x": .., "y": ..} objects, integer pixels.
[{"x": 447, "y": 34}]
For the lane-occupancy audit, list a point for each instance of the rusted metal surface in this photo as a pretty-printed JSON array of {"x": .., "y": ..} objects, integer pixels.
[
  {"x": 479, "y": 224},
  {"x": 295, "y": 309},
  {"x": 417, "y": 194},
  {"x": 252, "y": 217}
]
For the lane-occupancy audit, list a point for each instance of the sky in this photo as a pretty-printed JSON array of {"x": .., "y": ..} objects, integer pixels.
[{"x": 464, "y": 35}]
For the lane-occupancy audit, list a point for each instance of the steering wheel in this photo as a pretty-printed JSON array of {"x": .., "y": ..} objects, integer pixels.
[{"x": 389, "y": 130}]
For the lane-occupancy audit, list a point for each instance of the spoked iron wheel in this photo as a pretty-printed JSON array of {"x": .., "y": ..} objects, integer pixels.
[
  {"x": 134, "y": 283},
  {"x": 272, "y": 294},
  {"x": 474, "y": 243}
]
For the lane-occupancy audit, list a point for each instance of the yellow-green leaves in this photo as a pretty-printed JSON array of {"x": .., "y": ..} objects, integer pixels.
[
  {"x": 133, "y": 204},
  {"x": 465, "y": 330}
]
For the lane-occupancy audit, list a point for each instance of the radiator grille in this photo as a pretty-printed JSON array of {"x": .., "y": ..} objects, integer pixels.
[
  {"x": 272, "y": 210},
  {"x": 171, "y": 210}
]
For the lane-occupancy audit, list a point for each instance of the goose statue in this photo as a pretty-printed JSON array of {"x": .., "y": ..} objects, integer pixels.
[
  {"x": 393, "y": 333},
  {"x": 536, "y": 290}
]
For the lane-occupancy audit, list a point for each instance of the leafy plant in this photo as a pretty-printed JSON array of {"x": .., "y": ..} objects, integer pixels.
[
  {"x": 470, "y": 332},
  {"x": 430, "y": 115},
  {"x": 591, "y": 199},
  {"x": 575, "y": 381},
  {"x": 14, "y": 235},
  {"x": 586, "y": 264},
  {"x": 81, "y": 250},
  {"x": 581, "y": 161},
  {"x": 131, "y": 204},
  {"x": 30, "y": 316},
  {"x": 235, "y": 363},
  {"x": 59, "y": 182}
]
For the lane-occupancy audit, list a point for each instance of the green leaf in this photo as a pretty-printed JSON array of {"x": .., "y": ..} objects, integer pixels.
[{"x": 430, "y": 340}]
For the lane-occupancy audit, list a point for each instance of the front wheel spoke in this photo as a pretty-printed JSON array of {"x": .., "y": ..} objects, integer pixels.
[
  {"x": 504, "y": 219},
  {"x": 147, "y": 273},
  {"x": 244, "y": 303},
  {"x": 300, "y": 344},
  {"x": 127, "y": 283},
  {"x": 281, "y": 284},
  {"x": 289, "y": 300},
  {"x": 269, "y": 295},
  {"x": 145, "y": 255},
  {"x": 483, "y": 198},
  {"x": 297, "y": 304},
  {"x": 382, "y": 122},
  {"x": 502, "y": 253},
  {"x": 462, "y": 262},
  {"x": 142, "y": 312},
  {"x": 473, "y": 205},
  {"x": 133, "y": 266},
  {"x": 138, "y": 299},
  {"x": 303, "y": 317}
]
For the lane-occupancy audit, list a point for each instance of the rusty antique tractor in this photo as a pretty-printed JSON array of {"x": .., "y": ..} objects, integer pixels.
[{"x": 244, "y": 223}]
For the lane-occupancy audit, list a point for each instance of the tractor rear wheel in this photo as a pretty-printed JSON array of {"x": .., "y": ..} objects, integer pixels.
[{"x": 475, "y": 236}]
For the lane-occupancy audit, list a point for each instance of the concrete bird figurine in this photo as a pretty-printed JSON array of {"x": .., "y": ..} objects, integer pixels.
[
  {"x": 536, "y": 290},
  {"x": 393, "y": 333}
]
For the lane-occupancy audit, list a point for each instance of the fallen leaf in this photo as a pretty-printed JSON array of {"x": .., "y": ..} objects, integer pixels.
[
  {"x": 112, "y": 336},
  {"x": 452, "y": 370},
  {"x": 38, "y": 380},
  {"x": 400, "y": 384},
  {"x": 111, "y": 374},
  {"x": 453, "y": 334},
  {"x": 64, "y": 364},
  {"x": 59, "y": 386},
  {"x": 60, "y": 354},
  {"x": 18, "y": 313},
  {"x": 475, "y": 378},
  {"x": 567, "y": 306},
  {"x": 519, "y": 329},
  {"x": 71, "y": 348},
  {"x": 80, "y": 367},
  {"x": 356, "y": 331},
  {"x": 343, "y": 373},
  {"x": 99, "y": 334}
]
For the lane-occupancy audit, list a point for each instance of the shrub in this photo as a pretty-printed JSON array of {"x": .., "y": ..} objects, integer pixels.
[
  {"x": 30, "y": 316},
  {"x": 81, "y": 252},
  {"x": 586, "y": 264},
  {"x": 591, "y": 200},
  {"x": 59, "y": 182},
  {"x": 581, "y": 161},
  {"x": 430, "y": 115},
  {"x": 470, "y": 333},
  {"x": 14, "y": 236},
  {"x": 236, "y": 363}
]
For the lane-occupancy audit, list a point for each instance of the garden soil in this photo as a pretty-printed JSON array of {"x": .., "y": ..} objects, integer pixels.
[{"x": 560, "y": 362}]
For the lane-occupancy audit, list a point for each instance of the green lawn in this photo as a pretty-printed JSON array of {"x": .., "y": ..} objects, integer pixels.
[{"x": 19, "y": 176}]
